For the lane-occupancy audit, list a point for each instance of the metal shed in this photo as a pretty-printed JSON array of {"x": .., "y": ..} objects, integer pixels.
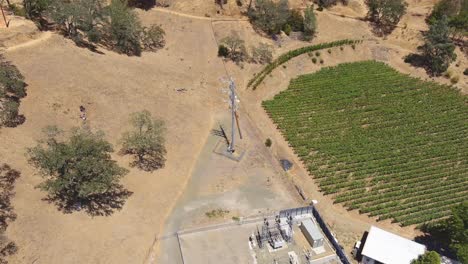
[{"x": 312, "y": 233}]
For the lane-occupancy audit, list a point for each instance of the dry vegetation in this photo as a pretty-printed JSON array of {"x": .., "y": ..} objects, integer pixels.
[
  {"x": 8, "y": 176},
  {"x": 179, "y": 86}
]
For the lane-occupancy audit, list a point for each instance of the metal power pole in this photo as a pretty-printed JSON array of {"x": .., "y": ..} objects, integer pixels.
[
  {"x": 232, "y": 96},
  {"x": 3, "y": 14}
]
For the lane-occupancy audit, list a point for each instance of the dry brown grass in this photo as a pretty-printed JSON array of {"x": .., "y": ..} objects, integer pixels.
[{"x": 62, "y": 77}]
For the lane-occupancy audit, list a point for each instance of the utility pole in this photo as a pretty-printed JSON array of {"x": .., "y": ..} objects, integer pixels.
[{"x": 232, "y": 97}]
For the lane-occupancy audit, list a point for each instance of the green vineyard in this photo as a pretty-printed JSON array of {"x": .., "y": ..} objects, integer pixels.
[{"x": 389, "y": 145}]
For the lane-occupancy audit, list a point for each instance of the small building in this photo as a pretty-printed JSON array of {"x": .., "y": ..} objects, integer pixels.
[
  {"x": 384, "y": 247},
  {"x": 312, "y": 233}
]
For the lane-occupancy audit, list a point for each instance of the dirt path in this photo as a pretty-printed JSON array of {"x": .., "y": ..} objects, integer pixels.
[
  {"x": 43, "y": 37},
  {"x": 177, "y": 13}
]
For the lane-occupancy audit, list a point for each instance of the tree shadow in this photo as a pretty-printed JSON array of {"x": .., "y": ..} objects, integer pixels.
[
  {"x": 18, "y": 120},
  {"x": 416, "y": 60},
  {"x": 145, "y": 4},
  {"x": 149, "y": 163},
  {"x": 419, "y": 61},
  {"x": 435, "y": 239},
  {"x": 378, "y": 29},
  {"x": 88, "y": 45},
  {"x": 102, "y": 204}
]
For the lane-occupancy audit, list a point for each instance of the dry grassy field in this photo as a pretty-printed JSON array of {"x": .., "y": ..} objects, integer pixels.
[{"x": 61, "y": 77}]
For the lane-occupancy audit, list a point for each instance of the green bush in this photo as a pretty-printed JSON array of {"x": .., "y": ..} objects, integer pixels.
[
  {"x": 310, "y": 23},
  {"x": 317, "y": 53},
  {"x": 17, "y": 10},
  {"x": 296, "y": 20},
  {"x": 321, "y": 61},
  {"x": 329, "y": 51},
  {"x": 9, "y": 116},
  {"x": 12, "y": 89},
  {"x": 314, "y": 60},
  {"x": 34, "y": 9},
  {"x": 11, "y": 81},
  {"x": 465, "y": 72},
  {"x": 287, "y": 29}
]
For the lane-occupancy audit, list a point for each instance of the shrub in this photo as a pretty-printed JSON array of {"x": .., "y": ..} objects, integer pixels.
[
  {"x": 223, "y": 51},
  {"x": 262, "y": 53},
  {"x": 430, "y": 257},
  {"x": 12, "y": 89},
  {"x": 321, "y": 61},
  {"x": 454, "y": 79},
  {"x": 152, "y": 38},
  {"x": 17, "y": 10},
  {"x": 9, "y": 114},
  {"x": 341, "y": 48},
  {"x": 329, "y": 51},
  {"x": 353, "y": 46},
  {"x": 465, "y": 72},
  {"x": 310, "y": 23},
  {"x": 8, "y": 177},
  {"x": 34, "y": 9},
  {"x": 296, "y": 20},
  {"x": 217, "y": 213},
  {"x": 268, "y": 142},
  {"x": 314, "y": 60},
  {"x": 317, "y": 53},
  {"x": 287, "y": 29}
]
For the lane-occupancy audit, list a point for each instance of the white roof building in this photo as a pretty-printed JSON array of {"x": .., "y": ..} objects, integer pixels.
[{"x": 384, "y": 247}]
